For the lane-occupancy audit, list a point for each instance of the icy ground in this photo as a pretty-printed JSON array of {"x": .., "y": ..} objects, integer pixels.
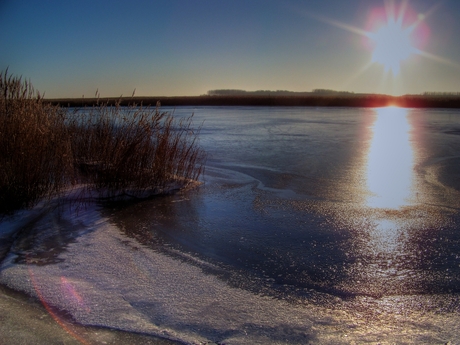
[{"x": 77, "y": 263}]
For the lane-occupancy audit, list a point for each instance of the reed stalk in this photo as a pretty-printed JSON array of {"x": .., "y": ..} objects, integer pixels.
[
  {"x": 134, "y": 151},
  {"x": 116, "y": 151},
  {"x": 35, "y": 156}
]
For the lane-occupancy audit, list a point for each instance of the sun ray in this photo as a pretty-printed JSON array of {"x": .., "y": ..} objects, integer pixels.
[
  {"x": 439, "y": 59},
  {"x": 339, "y": 25},
  {"x": 357, "y": 74},
  {"x": 401, "y": 33},
  {"x": 392, "y": 44}
]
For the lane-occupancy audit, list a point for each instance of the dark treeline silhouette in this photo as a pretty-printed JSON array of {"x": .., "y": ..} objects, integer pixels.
[
  {"x": 321, "y": 98},
  {"x": 447, "y": 94},
  {"x": 237, "y": 92}
]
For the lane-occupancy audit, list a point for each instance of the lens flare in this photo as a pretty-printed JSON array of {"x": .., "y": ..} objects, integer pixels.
[
  {"x": 392, "y": 46},
  {"x": 395, "y": 34}
]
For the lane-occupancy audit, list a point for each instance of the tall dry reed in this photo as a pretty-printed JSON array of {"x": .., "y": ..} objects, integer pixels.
[
  {"x": 133, "y": 151},
  {"x": 116, "y": 151},
  {"x": 35, "y": 155}
]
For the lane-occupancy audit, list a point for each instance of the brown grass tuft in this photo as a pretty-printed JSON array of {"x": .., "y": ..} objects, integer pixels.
[
  {"x": 114, "y": 150},
  {"x": 35, "y": 155},
  {"x": 134, "y": 150}
]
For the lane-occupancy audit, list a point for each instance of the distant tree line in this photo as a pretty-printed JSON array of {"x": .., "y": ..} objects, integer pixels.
[
  {"x": 238, "y": 92},
  {"x": 315, "y": 98},
  {"x": 332, "y": 92},
  {"x": 314, "y": 92},
  {"x": 311, "y": 100},
  {"x": 454, "y": 94}
]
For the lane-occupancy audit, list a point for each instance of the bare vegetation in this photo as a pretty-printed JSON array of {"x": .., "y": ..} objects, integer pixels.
[
  {"x": 116, "y": 151},
  {"x": 133, "y": 151},
  {"x": 34, "y": 150}
]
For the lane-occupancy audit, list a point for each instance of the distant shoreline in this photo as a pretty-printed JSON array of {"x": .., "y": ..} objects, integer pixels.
[{"x": 359, "y": 100}]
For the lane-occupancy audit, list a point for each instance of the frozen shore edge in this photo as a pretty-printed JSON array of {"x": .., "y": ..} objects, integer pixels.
[
  {"x": 137, "y": 291},
  {"x": 25, "y": 319}
]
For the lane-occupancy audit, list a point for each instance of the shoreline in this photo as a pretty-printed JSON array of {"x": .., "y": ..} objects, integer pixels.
[
  {"x": 25, "y": 320},
  {"x": 356, "y": 100}
]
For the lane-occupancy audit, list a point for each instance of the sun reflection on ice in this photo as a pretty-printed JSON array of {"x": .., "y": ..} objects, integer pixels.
[{"x": 390, "y": 174}]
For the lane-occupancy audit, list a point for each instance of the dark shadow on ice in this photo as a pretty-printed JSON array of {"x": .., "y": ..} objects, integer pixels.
[
  {"x": 246, "y": 237},
  {"x": 41, "y": 237}
]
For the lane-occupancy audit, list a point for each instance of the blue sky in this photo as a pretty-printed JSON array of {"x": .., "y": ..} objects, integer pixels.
[{"x": 187, "y": 47}]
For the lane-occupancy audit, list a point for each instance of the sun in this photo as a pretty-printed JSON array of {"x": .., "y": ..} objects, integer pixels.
[
  {"x": 393, "y": 33},
  {"x": 392, "y": 44}
]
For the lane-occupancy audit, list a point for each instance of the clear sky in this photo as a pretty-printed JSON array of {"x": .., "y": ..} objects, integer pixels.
[{"x": 187, "y": 47}]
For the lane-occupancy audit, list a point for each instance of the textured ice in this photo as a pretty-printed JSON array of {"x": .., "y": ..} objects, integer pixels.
[
  {"x": 265, "y": 167},
  {"x": 104, "y": 278}
]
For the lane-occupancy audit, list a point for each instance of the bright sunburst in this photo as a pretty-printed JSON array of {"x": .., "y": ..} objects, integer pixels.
[
  {"x": 394, "y": 33},
  {"x": 392, "y": 45}
]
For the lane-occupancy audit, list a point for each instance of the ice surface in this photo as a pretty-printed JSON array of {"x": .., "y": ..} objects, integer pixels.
[
  {"x": 266, "y": 167},
  {"x": 106, "y": 279}
]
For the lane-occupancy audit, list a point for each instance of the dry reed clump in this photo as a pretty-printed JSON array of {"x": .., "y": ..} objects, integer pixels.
[
  {"x": 133, "y": 151},
  {"x": 115, "y": 151},
  {"x": 34, "y": 153}
]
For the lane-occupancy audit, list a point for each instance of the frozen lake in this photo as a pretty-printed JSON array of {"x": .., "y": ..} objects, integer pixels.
[{"x": 313, "y": 225}]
